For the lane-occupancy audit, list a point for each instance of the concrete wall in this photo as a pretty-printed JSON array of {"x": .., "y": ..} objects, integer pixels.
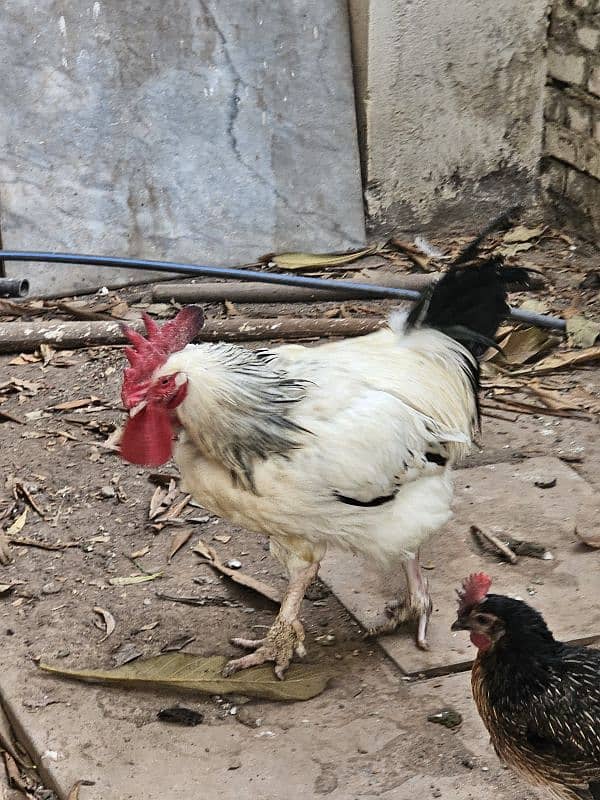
[
  {"x": 450, "y": 97},
  {"x": 206, "y": 130},
  {"x": 571, "y": 167}
]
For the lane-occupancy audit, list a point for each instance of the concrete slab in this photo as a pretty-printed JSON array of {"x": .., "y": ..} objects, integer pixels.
[
  {"x": 497, "y": 497},
  {"x": 365, "y": 737},
  {"x": 209, "y": 130}
]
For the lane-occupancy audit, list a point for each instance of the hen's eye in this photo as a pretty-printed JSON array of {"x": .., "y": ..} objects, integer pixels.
[
  {"x": 481, "y": 619},
  {"x": 164, "y": 381}
]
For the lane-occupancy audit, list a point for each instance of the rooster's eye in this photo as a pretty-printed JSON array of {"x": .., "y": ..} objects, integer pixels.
[
  {"x": 164, "y": 381},
  {"x": 481, "y": 619}
]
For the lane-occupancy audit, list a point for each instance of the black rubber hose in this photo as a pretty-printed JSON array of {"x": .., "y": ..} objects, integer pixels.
[
  {"x": 14, "y": 287},
  {"x": 360, "y": 289}
]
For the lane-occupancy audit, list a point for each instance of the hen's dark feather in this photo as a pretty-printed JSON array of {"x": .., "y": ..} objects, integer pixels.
[{"x": 540, "y": 700}]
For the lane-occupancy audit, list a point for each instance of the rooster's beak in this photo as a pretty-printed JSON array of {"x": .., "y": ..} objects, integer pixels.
[
  {"x": 460, "y": 624},
  {"x": 137, "y": 408}
]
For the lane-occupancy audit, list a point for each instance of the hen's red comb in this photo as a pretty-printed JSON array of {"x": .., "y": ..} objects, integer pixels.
[
  {"x": 151, "y": 352},
  {"x": 474, "y": 589}
]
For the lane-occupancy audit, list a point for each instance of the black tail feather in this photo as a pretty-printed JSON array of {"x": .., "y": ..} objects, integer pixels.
[
  {"x": 469, "y": 252},
  {"x": 468, "y": 303}
]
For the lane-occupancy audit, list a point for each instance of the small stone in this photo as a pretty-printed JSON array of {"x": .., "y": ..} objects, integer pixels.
[
  {"x": 51, "y": 588},
  {"x": 179, "y": 715},
  {"x": 248, "y": 717},
  {"x": 327, "y": 640},
  {"x": 468, "y": 763},
  {"x": 107, "y": 491},
  {"x": 235, "y": 764},
  {"x": 233, "y": 563},
  {"x": 588, "y": 38},
  {"x": 566, "y": 67},
  {"x": 436, "y": 792},
  {"x": 63, "y": 654},
  {"x": 448, "y": 717},
  {"x": 594, "y": 82},
  {"x": 545, "y": 483}
]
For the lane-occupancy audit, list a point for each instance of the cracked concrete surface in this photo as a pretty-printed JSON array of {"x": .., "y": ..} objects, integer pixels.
[{"x": 193, "y": 130}]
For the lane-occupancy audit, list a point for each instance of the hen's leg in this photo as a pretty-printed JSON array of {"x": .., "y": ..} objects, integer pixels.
[
  {"x": 416, "y": 605},
  {"x": 286, "y": 635}
]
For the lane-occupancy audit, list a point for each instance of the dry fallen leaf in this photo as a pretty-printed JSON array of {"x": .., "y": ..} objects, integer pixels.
[
  {"x": 140, "y": 553},
  {"x": 520, "y": 345},
  {"x": 210, "y": 556},
  {"x": 177, "y": 542},
  {"x": 17, "y": 525},
  {"x": 521, "y": 233},
  {"x": 509, "y": 250},
  {"x": 6, "y": 588},
  {"x": 108, "y": 620},
  {"x": 309, "y": 260},
  {"x": 70, "y": 405},
  {"x": 46, "y": 353},
  {"x": 582, "y": 332},
  {"x": 562, "y": 360},
  {"x": 131, "y": 580},
  {"x": 74, "y": 793},
  {"x": 199, "y": 674}
]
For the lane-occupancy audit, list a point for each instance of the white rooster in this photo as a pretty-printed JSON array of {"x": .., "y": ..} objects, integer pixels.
[{"x": 348, "y": 445}]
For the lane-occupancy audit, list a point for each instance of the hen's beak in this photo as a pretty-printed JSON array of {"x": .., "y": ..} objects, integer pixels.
[
  {"x": 460, "y": 624},
  {"x": 137, "y": 408}
]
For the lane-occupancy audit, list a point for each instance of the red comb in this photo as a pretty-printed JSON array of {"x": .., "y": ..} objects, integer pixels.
[
  {"x": 149, "y": 353},
  {"x": 474, "y": 589}
]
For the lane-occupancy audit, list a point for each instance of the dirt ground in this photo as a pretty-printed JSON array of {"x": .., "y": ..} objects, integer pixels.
[{"x": 367, "y": 736}]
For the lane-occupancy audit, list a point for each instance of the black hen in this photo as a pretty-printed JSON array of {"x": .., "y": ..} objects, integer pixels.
[{"x": 538, "y": 698}]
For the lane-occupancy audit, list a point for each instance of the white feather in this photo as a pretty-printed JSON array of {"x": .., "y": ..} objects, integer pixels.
[{"x": 372, "y": 406}]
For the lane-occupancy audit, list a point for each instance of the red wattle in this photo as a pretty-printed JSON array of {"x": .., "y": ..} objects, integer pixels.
[
  {"x": 480, "y": 640},
  {"x": 148, "y": 437}
]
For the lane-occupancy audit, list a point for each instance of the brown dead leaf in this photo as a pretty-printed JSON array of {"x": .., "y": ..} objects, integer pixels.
[
  {"x": 70, "y": 405},
  {"x": 108, "y": 621},
  {"x": 6, "y": 417},
  {"x": 156, "y": 502},
  {"x": 231, "y": 309},
  {"x": 175, "y": 510},
  {"x": 509, "y": 250},
  {"x": 6, "y": 588},
  {"x": 185, "y": 671},
  {"x": 119, "y": 310},
  {"x": 140, "y": 553},
  {"x": 295, "y": 261},
  {"x": 47, "y": 353},
  {"x": 74, "y": 793},
  {"x": 161, "y": 500},
  {"x": 562, "y": 360},
  {"x": 219, "y": 537},
  {"x": 582, "y": 332},
  {"x": 16, "y": 778},
  {"x": 521, "y": 345},
  {"x": 178, "y": 540},
  {"x": 521, "y": 233},
  {"x": 209, "y": 555},
  {"x": 25, "y": 358},
  {"x": 18, "y": 524}
]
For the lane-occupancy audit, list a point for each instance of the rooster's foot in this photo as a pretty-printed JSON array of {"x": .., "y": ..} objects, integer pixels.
[
  {"x": 400, "y": 611},
  {"x": 283, "y": 639}
]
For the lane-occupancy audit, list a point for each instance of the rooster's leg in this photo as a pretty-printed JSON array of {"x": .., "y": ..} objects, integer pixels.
[
  {"x": 286, "y": 635},
  {"x": 416, "y": 605}
]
